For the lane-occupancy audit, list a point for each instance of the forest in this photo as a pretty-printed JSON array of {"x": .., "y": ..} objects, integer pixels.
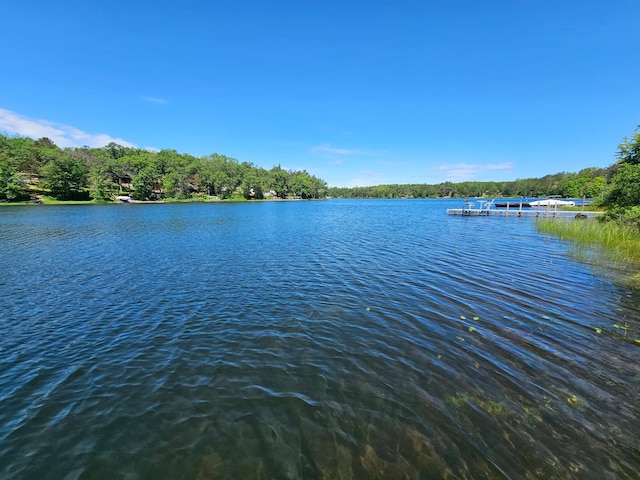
[
  {"x": 31, "y": 168},
  {"x": 589, "y": 182}
]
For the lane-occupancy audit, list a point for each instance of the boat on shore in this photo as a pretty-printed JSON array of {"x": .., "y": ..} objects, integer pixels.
[{"x": 552, "y": 202}]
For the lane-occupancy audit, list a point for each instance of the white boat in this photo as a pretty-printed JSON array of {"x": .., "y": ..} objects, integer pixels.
[{"x": 552, "y": 202}]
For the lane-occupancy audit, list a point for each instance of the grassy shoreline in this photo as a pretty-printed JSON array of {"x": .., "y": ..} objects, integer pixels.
[{"x": 619, "y": 245}]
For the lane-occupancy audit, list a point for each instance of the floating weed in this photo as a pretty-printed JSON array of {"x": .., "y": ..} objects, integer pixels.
[
  {"x": 533, "y": 415},
  {"x": 624, "y": 328},
  {"x": 476, "y": 318},
  {"x": 598, "y": 331},
  {"x": 460, "y": 338},
  {"x": 471, "y": 329},
  {"x": 459, "y": 399},
  {"x": 494, "y": 408},
  {"x": 575, "y": 402},
  {"x": 462, "y": 317},
  {"x": 525, "y": 414}
]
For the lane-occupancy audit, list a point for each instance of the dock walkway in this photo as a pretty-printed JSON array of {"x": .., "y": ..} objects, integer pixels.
[
  {"x": 486, "y": 209},
  {"x": 521, "y": 213}
]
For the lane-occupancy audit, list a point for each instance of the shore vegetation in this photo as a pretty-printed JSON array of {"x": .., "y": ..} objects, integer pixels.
[
  {"x": 34, "y": 170},
  {"x": 617, "y": 233},
  {"x": 608, "y": 244},
  {"x": 588, "y": 182},
  {"x": 38, "y": 171}
]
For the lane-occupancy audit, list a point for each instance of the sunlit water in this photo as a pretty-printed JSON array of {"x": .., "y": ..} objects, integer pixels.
[{"x": 341, "y": 339}]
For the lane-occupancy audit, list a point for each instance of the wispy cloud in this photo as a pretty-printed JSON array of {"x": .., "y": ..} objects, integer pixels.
[
  {"x": 500, "y": 166},
  {"x": 61, "y": 135},
  {"x": 154, "y": 100},
  {"x": 462, "y": 172},
  {"x": 327, "y": 148}
]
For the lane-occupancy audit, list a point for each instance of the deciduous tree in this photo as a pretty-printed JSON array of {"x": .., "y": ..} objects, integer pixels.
[{"x": 66, "y": 178}]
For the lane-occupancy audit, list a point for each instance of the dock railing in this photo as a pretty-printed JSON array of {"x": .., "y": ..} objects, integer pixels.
[{"x": 487, "y": 208}]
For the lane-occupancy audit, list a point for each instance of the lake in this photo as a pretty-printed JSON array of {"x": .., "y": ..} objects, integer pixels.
[{"x": 339, "y": 339}]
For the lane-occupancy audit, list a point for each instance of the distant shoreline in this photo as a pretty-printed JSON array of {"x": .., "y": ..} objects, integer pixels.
[{"x": 50, "y": 202}]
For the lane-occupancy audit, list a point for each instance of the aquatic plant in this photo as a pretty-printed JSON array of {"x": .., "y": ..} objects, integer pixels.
[{"x": 613, "y": 244}]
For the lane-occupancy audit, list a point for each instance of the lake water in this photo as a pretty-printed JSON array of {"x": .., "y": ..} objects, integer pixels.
[{"x": 340, "y": 339}]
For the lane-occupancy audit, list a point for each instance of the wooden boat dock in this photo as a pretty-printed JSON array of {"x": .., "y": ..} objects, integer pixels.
[{"x": 486, "y": 209}]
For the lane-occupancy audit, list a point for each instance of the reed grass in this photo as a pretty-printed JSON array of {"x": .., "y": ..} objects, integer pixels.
[{"x": 619, "y": 243}]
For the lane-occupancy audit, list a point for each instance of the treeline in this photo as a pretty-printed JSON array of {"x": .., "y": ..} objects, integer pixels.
[
  {"x": 29, "y": 167},
  {"x": 622, "y": 194},
  {"x": 615, "y": 188},
  {"x": 589, "y": 182}
]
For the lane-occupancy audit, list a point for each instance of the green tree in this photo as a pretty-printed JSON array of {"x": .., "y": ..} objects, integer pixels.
[
  {"x": 279, "y": 181},
  {"x": 100, "y": 185},
  {"x": 116, "y": 151},
  {"x": 251, "y": 187},
  {"x": 624, "y": 189},
  {"x": 584, "y": 186},
  {"x": 629, "y": 149},
  {"x": 300, "y": 185},
  {"x": 596, "y": 187},
  {"x": 204, "y": 175},
  {"x": 176, "y": 184},
  {"x": 144, "y": 183},
  {"x": 318, "y": 187},
  {"x": 19, "y": 151},
  {"x": 66, "y": 178},
  {"x": 12, "y": 184}
]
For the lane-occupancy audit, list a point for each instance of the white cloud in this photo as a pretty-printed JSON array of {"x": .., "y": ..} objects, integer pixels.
[
  {"x": 326, "y": 148},
  {"x": 464, "y": 172},
  {"x": 61, "y": 135},
  {"x": 500, "y": 166}
]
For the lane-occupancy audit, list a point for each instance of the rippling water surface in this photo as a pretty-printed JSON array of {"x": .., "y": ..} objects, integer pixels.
[{"x": 329, "y": 340}]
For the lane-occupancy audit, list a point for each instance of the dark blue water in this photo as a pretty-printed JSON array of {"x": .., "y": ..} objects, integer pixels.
[{"x": 331, "y": 340}]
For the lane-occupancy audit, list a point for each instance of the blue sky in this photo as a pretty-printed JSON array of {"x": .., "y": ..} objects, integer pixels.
[{"x": 355, "y": 92}]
